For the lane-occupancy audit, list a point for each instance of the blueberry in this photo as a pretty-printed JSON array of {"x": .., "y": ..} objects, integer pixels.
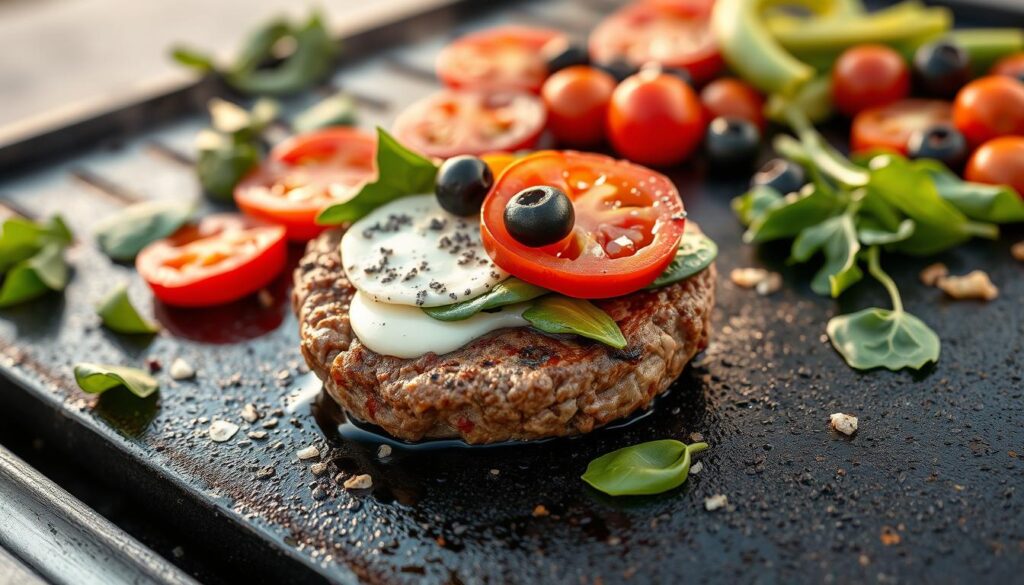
[
  {"x": 941, "y": 142},
  {"x": 780, "y": 174},
  {"x": 571, "y": 55},
  {"x": 462, "y": 183},
  {"x": 732, "y": 143},
  {"x": 941, "y": 68},
  {"x": 539, "y": 216}
]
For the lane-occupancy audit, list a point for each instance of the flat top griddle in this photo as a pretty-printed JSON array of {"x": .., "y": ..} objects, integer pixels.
[{"x": 927, "y": 490}]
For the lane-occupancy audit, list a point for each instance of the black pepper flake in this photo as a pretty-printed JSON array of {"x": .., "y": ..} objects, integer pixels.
[
  {"x": 393, "y": 223},
  {"x": 410, "y": 275},
  {"x": 421, "y": 297},
  {"x": 467, "y": 292},
  {"x": 437, "y": 224},
  {"x": 453, "y": 296}
]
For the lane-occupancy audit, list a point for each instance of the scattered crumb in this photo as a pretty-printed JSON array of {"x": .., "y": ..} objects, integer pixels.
[
  {"x": 715, "y": 502},
  {"x": 383, "y": 451},
  {"x": 747, "y": 277},
  {"x": 864, "y": 560},
  {"x": 178, "y": 552},
  {"x": 270, "y": 423},
  {"x": 250, "y": 414},
  {"x": 1017, "y": 251},
  {"x": 933, "y": 273},
  {"x": 181, "y": 370},
  {"x": 222, "y": 430},
  {"x": 265, "y": 473},
  {"x": 154, "y": 365},
  {"x": 769, "y": 285},
  {"x": 696, "y": 437},
  {"x": 889, "y": 536},
  {"x": 310, "y": 452},
  {"x": 257, "y": 435},
  {"x": 696, "y": 468},
  {"x": 495, "y": 472},
  {"x": 265, "y": 299},
  {"x": 540, "y": 511},
  {"x": 318, "y": 468},
  {"x": 843, "y": 423},
  {"x": 359, "y": 482},
  {"x": 973, "y": 285}
]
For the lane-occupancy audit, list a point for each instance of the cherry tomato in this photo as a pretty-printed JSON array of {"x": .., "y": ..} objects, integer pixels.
[
  {"x": 999, "y": 161},
  {"x": 729, "y": 97},
  {"x": 305, "y": 174},
  {"x": 868, "y": 76},
  {"x": 222, "y": 258},
  {"x": 674, "y": 33},
  {"x": 628, "y": 223},
  {"x": 577, "y": 99},
  {"x": 655, "y": 119},
  {"x": 989, "y": 107},
  {"x": 499, "y": 161},
  {"x": 890, "y": 127},
  {"x": 506, "y": 57},
  {"x": 453, "y": 122},
  {"x": 1010, "y": 66}
]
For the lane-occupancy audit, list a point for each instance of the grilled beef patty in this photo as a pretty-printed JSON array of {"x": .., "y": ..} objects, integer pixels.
[{"x": 512, "y": 384}]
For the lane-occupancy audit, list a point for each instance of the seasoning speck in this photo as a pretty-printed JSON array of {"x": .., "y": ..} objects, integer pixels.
[
  {"x": 770, "y": 284},
  {"x": 383, "y": 451},
  {"x": 310, "y": 452},
  {"x": 258, "y": 435},
  {"x": 540, "y": 511},
  {"x": 715, "y": 502},
  {"x": 696, "y": 468},
  {"x": 843, "y": 423},
  {"x": 181, "y": 370},
  {"x": 359, "y": 482},
  {"x": 1017, "y": 251},
  {"x": 250, "y": 414},
  {"x": 222, "y": 430},
  {"x": 265, "y": 473}
]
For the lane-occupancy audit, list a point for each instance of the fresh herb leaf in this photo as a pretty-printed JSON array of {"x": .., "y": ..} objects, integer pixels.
[
  {"x": 870, "y": 232},
  {"x": 98, "y": 378},
  {"x": 648, "y": 468},
  {"x": 837, "y": 238},
  {"x": 797, "y": 212},
  {"x": 696, "y": 252},
  {"x": 559, "y": 314},
  {"x": 193, "y": 58},
  {"x": 507, "y": 292},
  {"x": 46, "y": 270},
  {"x": 400, "y": 172},
  {"x": 336, "y": 110},
  {"x": 978, "y": 201},
  {"x": 20, "y": 239},
  {"x": 118, "y": 314},
  {"x": 310, "y": 61},
  {"x": 754, "y": 204},
  {"x": 232, "y": 119},
  {"x": 223, "y": 162},
  {"x": 123, "y": 235}
]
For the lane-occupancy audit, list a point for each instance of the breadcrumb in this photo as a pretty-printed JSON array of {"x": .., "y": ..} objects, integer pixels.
[
  {"x": 222, "y": 430},
  {"x": 359, "y": 482},
  {"x": 715, "y": 502},
  {"x": 747, "y": 277},
  {"x": 973, "y": 285},
  {"x": 1017, "y": 251},
  {"x": 771, "y": 284},
  {"x": 310, "y": 452},
  {"x": 933, "y": 273},
  {"x": 843, "y": 423}
]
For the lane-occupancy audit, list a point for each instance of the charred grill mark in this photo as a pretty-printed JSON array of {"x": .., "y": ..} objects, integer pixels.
[
  {"x": 534, "y": 357},
  {"x": 629, "y": 354}
]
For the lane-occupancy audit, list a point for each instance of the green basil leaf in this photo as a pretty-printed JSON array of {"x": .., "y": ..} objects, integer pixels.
[
  {"x": 797, "y": 212},
  {"x": 310, "y": 62},
  {"x": 223, "y": 162},
  {"x": 754, "y": 204},
  {"x": 880, "y": 338},
  {"x": 648, "y": 468},
  {"x": 20, "y": 239},
  {"x": 193, "y": 58},
  {"x": 507, "y": 292},
  {"x": 558, "y": 314},
  {"x": 31, "y": 278},
  {"x": 118, "y": 314},
  {"x": 978, "y": 201},
  {"x": 871, "y": 233},
  {"x": 123, "y": 235},
  {"x": 336, "y": 110},
  {"x": 98, "y": 378},
  {"x": 837, "y": 238},
  {"x": 400, "y": 172},
  {"x": 696, "y": 252}
]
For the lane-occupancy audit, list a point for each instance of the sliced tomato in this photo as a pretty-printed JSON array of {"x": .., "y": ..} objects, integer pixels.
[
  {"x": 454, "y": 122},
  {"x": 305, "y": 174},
  {"x": 628, "y": 223},
  {"x": 889, "y": 127},
  {"x": 499, "y": 161},
  {"x": 222, "y": 258},
  {"x": 505, "y": 57},
  {"x": 674, "y": 33}
]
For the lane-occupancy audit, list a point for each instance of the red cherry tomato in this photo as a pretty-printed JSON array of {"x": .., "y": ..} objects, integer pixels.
[
  {"x": 674, "y": 33},
  {"x": 454, "y": 122},
  {"x": 222, "y": 258},
  {"x": 999, "y": 161},
  {"x": 628, "y": 223},
  {"x": 889, "y": 127},
  {"x": 868, "y": 76},
  {"x": 506, "y": 57},
  {"x": 1010, "y": 66},
  {"x": 730, "y": 97},
  {"x": 655, "y": 119},
  {"x": 305, "y": 174},
  {"x": 989, "y": 107},
  {"x": 577, "y": 101}
]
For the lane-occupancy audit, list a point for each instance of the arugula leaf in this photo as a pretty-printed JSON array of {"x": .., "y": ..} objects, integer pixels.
[
  {"x": 123, "y": 235},
  {"x": 336, "y": 110},
  {"x": 310, "y": 62},
  {"x": 507, "y": 292},
  {"x": 400, "y": 172},
  {"x": 696, "y": 252},
  {"x": 648, "y": 468},
  {"x": 873, "y": 338},
  {"x": 754, "y": 204},
  {"x": 797, "y": 212},
  {"x": 98, "y": 378},
  {"x": 558, "y": 314},
  {"x": 837, "y": 238},
  {"x": 118, "y": 314},
  {"x": 993, "y": 203}
]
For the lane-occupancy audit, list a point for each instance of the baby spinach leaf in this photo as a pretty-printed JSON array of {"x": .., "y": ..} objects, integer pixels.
[
  {"x": 797, "y": 212},
  {"x": 507, "y": 292},
  {"x": 880, "y": 338},
  {"x": 558, "y": 314},
  {"x": 978, "y": 201},
  {"x": 223, "y": 161},
  {"x": 837, "y": 238},
  {"x": 754, "y": 204},
  {"x": 118, "y": 314},
  {"x": 648, "y": 468},
  {"x": 124, "y": 234},
  {"x": 46, "y": 270},
  {"x": 336, "y": 110},
  {"x": 400, "y": 172},
  {"x": 696, "y": 252},
  {"x": 98, "y": 378},
  {"x": 870, "y": 232}
]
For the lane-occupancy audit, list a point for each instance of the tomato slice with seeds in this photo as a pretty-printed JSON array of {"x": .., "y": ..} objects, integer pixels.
[
  {"x": 454, "y": 122},
  {"x": 305, "y": 174},
  {"x": 222, "y": 258},
  {"x": 889, "y": 127},
  {"x": 504, "y": 57},
  {"x": 628, "y": 223}
]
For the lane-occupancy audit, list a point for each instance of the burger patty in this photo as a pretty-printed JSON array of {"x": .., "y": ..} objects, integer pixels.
[{"x": 511, "y": 384}]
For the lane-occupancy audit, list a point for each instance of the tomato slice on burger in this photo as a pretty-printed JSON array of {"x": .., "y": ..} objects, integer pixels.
[
  {"x": 222, "y": 258},
  {"x": 305, "y": 174},
  {"x": 505, "y": 57},
  {"x": 674, "y": 33},
  {"x": 454, "y": 122},
  {"x": 628, "y": 223},
  {"x": 889, "y": 127}
]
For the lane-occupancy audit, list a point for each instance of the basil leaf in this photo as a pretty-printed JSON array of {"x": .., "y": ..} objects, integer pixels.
[
  {"x": 20, "y": 239},
  {"x": 797, "y": 212},
  {"x": 507, "y": 292},
  {"x": 310, "y": 62},
  {"x": 559, "y": 314},
  {"x": 118, "y": 314},
  {"x": 98, "y": 378},
  {"x": 880, "y": 338},
  {"x": 648, "y": 468},
  {"x": 336, "y": 110},
  {"x": 696, "y": 252},
  {"x": 993, "y": 203},
  {"x": 871, "y": 233},
  {"x": 232, "y": 119},
  {"x": 754, "y": 204},
  {"x": 193, "y": 58},
  {"x": 123, "y": 235},
  {"x": 31, "y": 278},
  {"x": 223, "y": 162},
  {"x": 837, "y": 238},
  {"x": 400, "y": 172}
]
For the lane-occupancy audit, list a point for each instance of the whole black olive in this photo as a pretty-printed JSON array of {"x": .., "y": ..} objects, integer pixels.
[
  {"x": 618, "y": 68},
  {"x": 942, "y": 142},
  {"x": 539, "y": 216},
  {"x": 567, "y": 57},
  {"x": 462, "y": 183},
  {"x": 941, "y": 68},
  {"x": 732, "y": 144},
  {"x": 780, "y": 174}
]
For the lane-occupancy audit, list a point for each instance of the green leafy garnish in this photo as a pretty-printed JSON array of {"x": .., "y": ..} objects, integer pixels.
[
  {"x": 98, "y": 378},
  {"x": 400, "y": 172},
  {"x": 20, "y": 239},
  {"x": 123, "y": 235},
  {"x": 32, "y": 259},
  {"x": 507, "y": 292},
  {"x": 336, "y": 110},
  {"x": 233, "y": 146},
  {"x": 558, "y": 314},
  {"x": 118, "y": 314},
  {"x": 836, "y": 237},
  {"x": 648, "y": 468},
  {"x": 795, "y": 213},
  {"x": 696, "y": 252},
  {"x": 978, "y": 201},
  {"x": 754, "y": 204}
]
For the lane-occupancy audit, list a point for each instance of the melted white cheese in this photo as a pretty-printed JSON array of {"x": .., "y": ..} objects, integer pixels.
[
  {"x": 407, "y": 332},
  {"x": 413, "y": 252}
]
